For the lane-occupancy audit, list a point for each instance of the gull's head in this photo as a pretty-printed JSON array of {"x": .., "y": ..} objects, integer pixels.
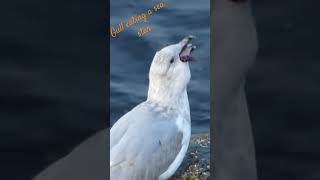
[{"x": 169, "y": 72}]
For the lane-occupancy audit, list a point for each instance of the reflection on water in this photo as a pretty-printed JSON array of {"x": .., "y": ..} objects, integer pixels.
[{"x": 131, "y": 56}]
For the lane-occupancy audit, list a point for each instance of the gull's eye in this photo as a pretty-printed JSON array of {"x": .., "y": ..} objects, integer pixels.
[{"x": 172, "y": 60}]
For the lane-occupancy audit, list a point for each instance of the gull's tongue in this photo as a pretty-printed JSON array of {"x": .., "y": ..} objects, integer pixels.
[
  {"x": 185, "y": 55},
  {"x": 186, "y": 52}
]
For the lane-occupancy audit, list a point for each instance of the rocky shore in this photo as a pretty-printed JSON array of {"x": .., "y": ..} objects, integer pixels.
[{"x": 196, "y": 164}]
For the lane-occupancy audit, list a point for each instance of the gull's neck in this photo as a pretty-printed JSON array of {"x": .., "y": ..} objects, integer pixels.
[{"x": 169, "y": 98}]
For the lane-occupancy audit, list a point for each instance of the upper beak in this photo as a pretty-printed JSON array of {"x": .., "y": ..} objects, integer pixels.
[{"x": 185, "y": 41}]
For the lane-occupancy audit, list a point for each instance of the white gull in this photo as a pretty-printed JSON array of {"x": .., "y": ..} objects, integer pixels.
[{"x": 151, "y": 140}]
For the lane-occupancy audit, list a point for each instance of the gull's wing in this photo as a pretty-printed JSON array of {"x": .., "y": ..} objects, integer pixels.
[
  {"x": 119, "y": 129},
  {"x": 146, "y": 141}
]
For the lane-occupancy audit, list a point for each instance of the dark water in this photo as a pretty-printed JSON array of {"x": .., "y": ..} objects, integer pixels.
[
  {"x": 284, "y": 90},
  {"x": 131, "y": 55}
]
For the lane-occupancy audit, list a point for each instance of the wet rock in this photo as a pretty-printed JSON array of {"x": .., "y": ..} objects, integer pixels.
[{"x": 196, "y": 164}]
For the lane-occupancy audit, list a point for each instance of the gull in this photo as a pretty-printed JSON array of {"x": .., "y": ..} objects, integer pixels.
[{"x": 150, "y": 141}]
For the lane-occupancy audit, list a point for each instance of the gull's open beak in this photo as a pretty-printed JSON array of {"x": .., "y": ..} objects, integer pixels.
[{"x": 186, "y": 48}]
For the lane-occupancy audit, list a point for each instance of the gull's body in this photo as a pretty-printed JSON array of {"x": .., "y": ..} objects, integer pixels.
[
  {"x": 145, "y": 146},
  {"x": 151, "y": 140}
]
